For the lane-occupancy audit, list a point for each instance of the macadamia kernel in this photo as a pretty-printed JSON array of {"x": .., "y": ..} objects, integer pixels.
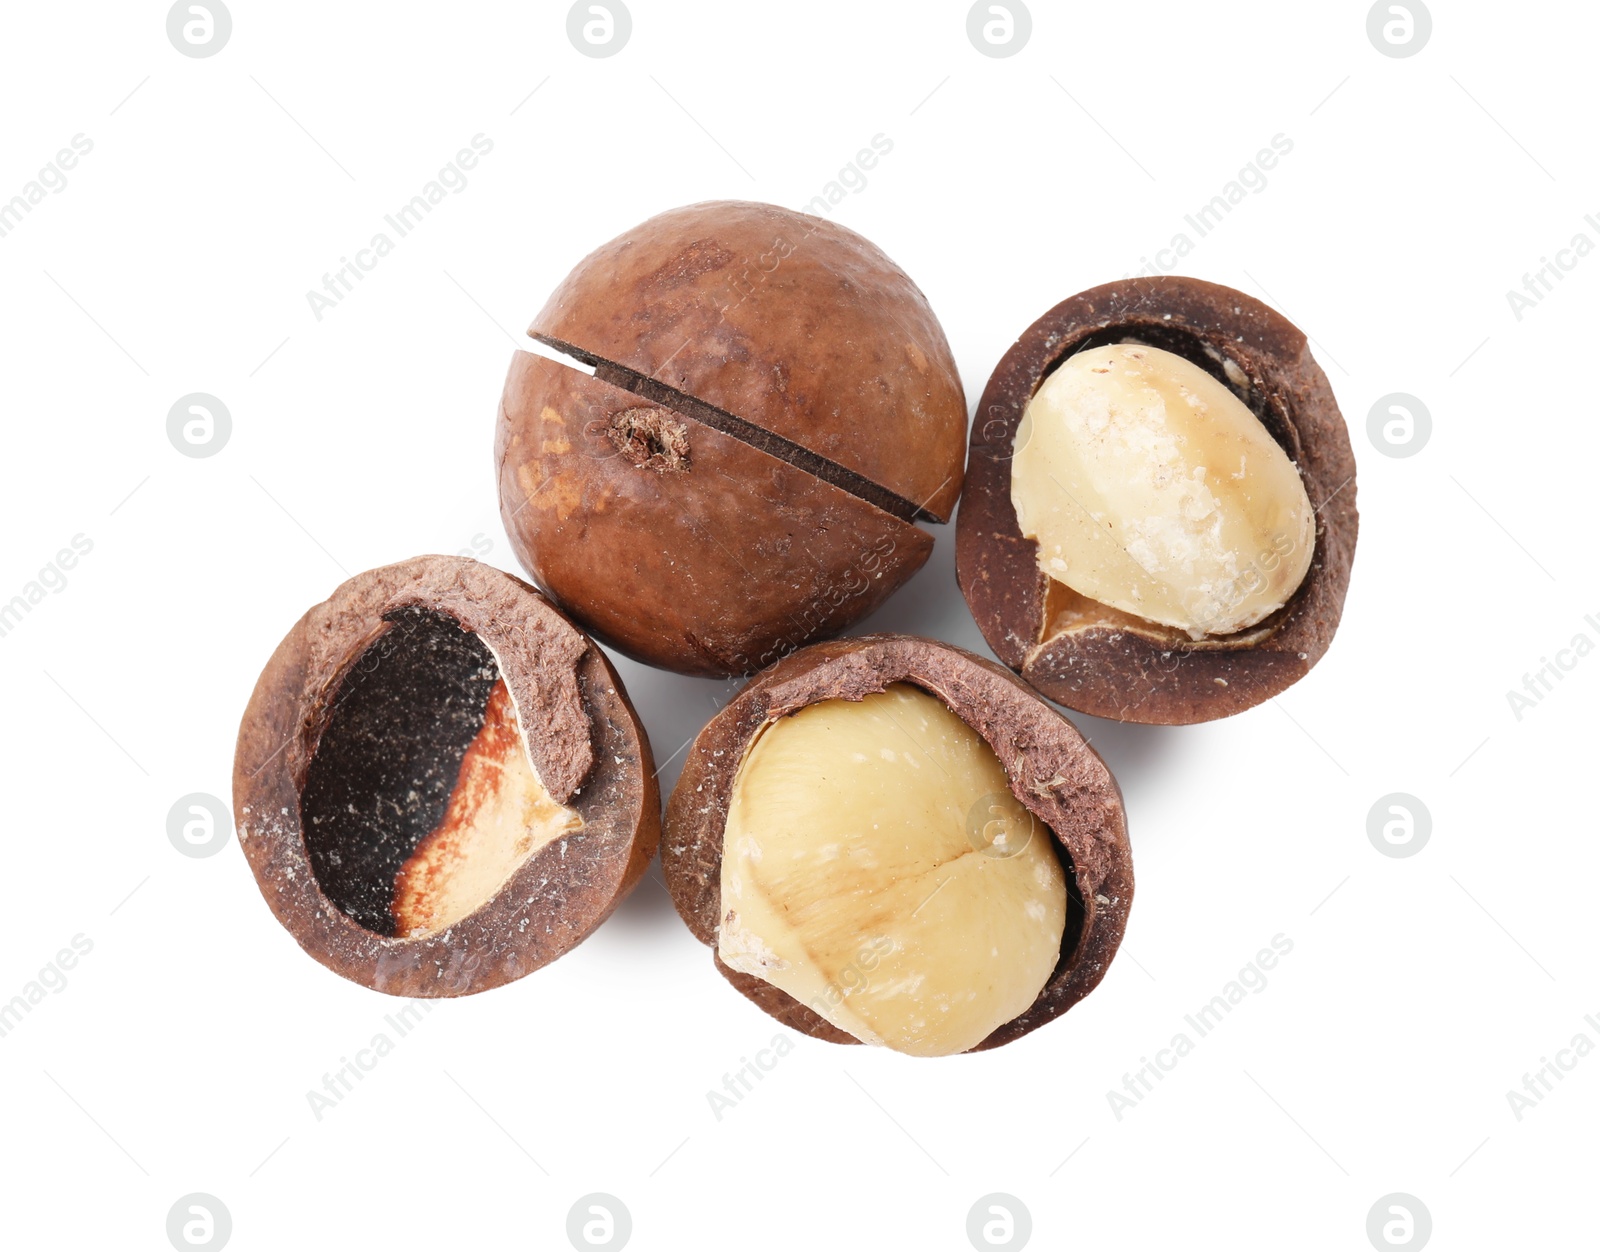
[
  {"x": 498, "y": 815},
  {"x": 877, "y": 868},
  {"x": 1151, "y": 488}
]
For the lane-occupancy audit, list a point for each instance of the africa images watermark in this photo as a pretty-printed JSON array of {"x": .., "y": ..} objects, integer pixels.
[
  {"x": 1539, "y": 284},
  {"x": 854, "y": 580},
  {"x": 851, "y": 977},
  {"x": 1250, "y": 180},
  {"x": 851, "y": 179},
  {"x": 50, "y": 580},
  {"x": 741, "y": 1082},
  {"x": 450, "y": 180},
  {"x": 337, "y": 1085},
  {"x": 1542, "y": 1081},
  {"x": 1252, "y": 979},
  {"x": 51, "y": 179},
  {"x": 1214, "y": 605},
  {"x": 51, "y": 980},
  {"x": 1539, "y": 684}
]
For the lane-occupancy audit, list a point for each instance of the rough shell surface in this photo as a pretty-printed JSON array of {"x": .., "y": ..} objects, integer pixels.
[
  {"x": 1053, "y": 772},
  {"x": 583, "y": 738},
  {"x": 716, "y": 562},
  {"x": 1126, "y": 669},
  {"x": 773, "y": 405}
]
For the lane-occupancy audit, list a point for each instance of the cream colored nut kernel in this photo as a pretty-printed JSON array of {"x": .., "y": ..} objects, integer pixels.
[
  {"x": 498, "y": 816},
  {"x": 878, "y": 869},
  {"x": 1150, "y": 487}
]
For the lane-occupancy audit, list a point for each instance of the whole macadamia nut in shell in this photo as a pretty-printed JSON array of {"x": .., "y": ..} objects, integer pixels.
[{"x": 773, "y": 405}]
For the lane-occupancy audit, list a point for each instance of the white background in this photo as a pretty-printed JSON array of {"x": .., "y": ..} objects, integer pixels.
[{"x": 177, "y": 259}]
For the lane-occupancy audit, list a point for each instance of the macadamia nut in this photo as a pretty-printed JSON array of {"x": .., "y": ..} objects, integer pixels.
[
  {"x": 768, "y": 406},
  {"x": 498, "y": 815},
  {"x": 877, "y": 868},
  {"x": 439, "y": 783},
  {"x": 1151, "y": 488}
]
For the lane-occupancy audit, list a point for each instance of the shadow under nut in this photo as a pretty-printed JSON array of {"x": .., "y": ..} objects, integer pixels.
[
  {"x": 581, "y": 735},
  {"x": 1052, "y": 771},
  {"x": 1129, "y": 670}
]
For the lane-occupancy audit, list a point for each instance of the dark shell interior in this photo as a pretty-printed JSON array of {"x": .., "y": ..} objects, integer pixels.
[{"x": 390, "y": 755}]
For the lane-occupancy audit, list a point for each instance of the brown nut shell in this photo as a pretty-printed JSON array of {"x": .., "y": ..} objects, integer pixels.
[
  {"x": 1111, "y": 664},
  {"x": 430, "y": 620},
  {"x": 773, "y": 405},
  {"x": 1053, "y": 772},
  {"x": 718, "y": 558},
  {"x": 791, "y": 322}
]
